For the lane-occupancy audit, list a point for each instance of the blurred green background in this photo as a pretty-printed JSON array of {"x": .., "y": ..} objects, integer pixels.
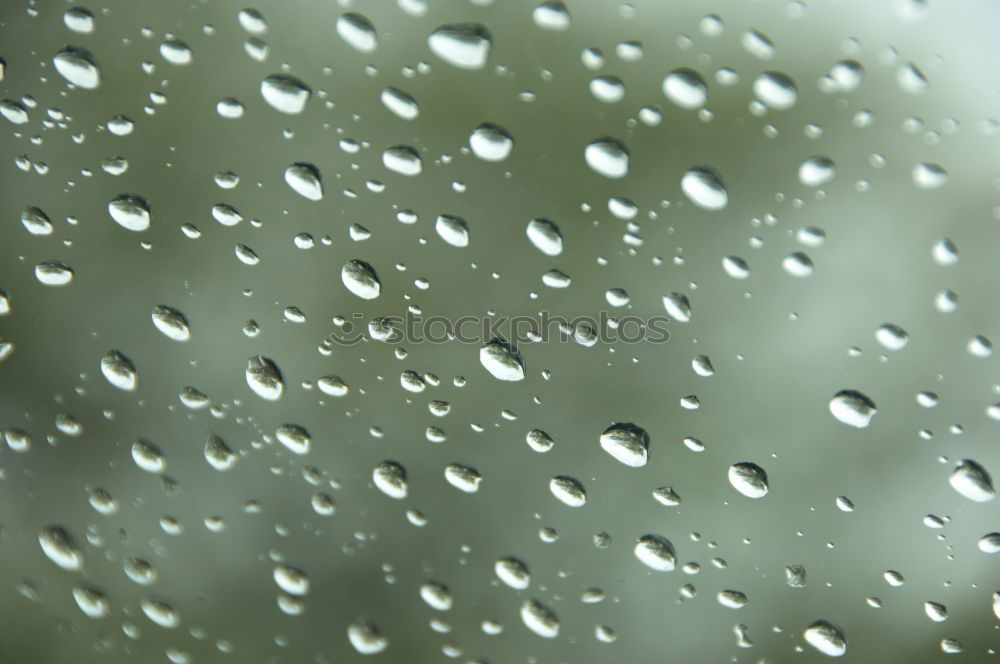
[{"x": 780, "y": 345}]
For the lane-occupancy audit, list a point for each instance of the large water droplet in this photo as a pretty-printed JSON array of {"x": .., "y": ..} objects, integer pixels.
[
  {"x": 285, "y": 93},
  {"x": 491, "y": 142},
  {"x": 462, "y": 45},
  {"x": 704, "y": 186},
  {"x": 686, "y": 88},
  {"x": 264, "y": 378},
  {"x": 540, "y": 619},
  {"x": 358, "y": 32},
  {"x": 58, "y": 546},
  {"x": 776, "y": 90},
  {"x": 607, "y": 156},
  {"x": 826, "y": 638},
  {"x": 656, "y": 553},
  {"x": 627, "y": 443},
  {"x": 749, "y": 479},
  {"x": 361, "y": 279},
  {"x": 131, "y": 211},
  {"x": 972, "y": 481},
  {"x": 305, "y": 180},
  {"x": 502, "y": 360},
  {"x": 853, "y": 408},
  {"x": 119, "y": 371},
  {"x": 546, "y": 237},
  {"x": 171, "y": 322},
  {"x": 78, "y": 66}
]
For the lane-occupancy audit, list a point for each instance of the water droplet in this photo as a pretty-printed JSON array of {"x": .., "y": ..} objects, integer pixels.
[
  {"x": 53, "y": 273},
  {"x": 401, "y": 103},
  {"x": 502, "y": 360},
  {"x": 656, "y": 553},
  {"x": 358, "y": 32},
  {"x": 403, "y": 159},
  {"x": 463, "y": 478},
  {"x": 704, "y": 186},
  {"x": 911, "y": 79},
  {"x": 826, "y": 638},
  {"x": 929, "y": 176},
  {"x": 171, "y": 322},
  {"x": 462, "y": 45},
  {"x": 218, "y": 455},
  {"x": 295, "y": 438},
  {"x": 91, "y": 601},
  {"x": 78, "y": 66},
  {"x": 389, "y": 477},
  {"x": 252, "y": 21},
  {"x": 853, "y": 408},
  {"x": 749, "y": 479},
  {"x": 686, "y": 88},
  {"x": 285, "y": 93},
  {"x": 119, "y": 371},
  {"x": 148, "y": 457},
  {"x": 608, "y": 157},
  {"x": 758, "y": 44},
  {"x": 453, "y": 230},
  {"x": 366, "y": 637},
  {"x": 732, "y": 599},
  {"x": 292, "y": 580},
  {"x": 79, "y": 19},
  {"x": 546, "y": 237},
  {"x": 176, "y": 52},
  {"x": 59, "y": 547},
  {"x": 892, "y": 337},
  {"x": 677, "y": 306},
  {"x": 972, "y": 481},
  {"x": 361, "y": 279},
  {"x": 512, "y": 572},
  {"x": 797, "y": 264},
  {"x": 160, "y": 612},
  {"x": 936, "y": 612},
  {"x": 264, "y": 378},
  {"x": 551, "y": 15},
  {"x": 131, "y": 211},
  {"x": 608, "y": 89},
  {"x": 627, "y": 443},
  {"x": 776, "y": 90},
  {"x": 735, "y": 267},
  {"x": 35, "y": 221},
  {"x": 305, "y": 180},
  {"x": 816, "y": 171},
  {"x": 568, "y": 490},
  {"x": 491, "y": 142},
  {"x": 540, "y": 619}
]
